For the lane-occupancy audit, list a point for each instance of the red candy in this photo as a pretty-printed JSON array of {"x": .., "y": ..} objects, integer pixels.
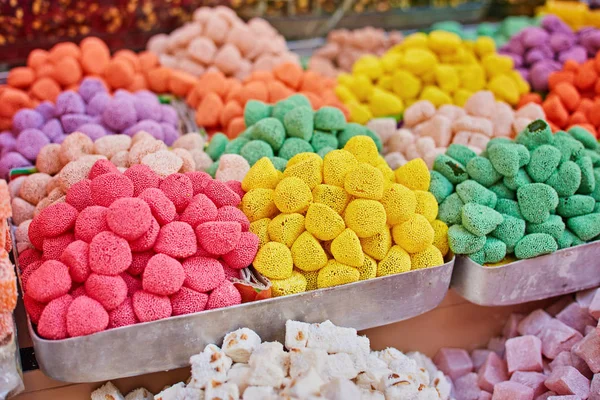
[
  {"x": 56, "y": 219},
  {"x": 142, "y": 177},
  {"x": 129, "y": 217},
  {"x": 199, "y": 180},
  {"x": 109, "y": 187},
  {"x": 109, "y": 254},
  {"x": 34, "y": 308},
  {"x": 150, "y": 307},
  {"x": 110, "y": 291},
  {"x": 139, "y": 262},
  {"x": 200, "y": 209},
  {"x": 147, "y": 240},
  {"x": 133, "y": 284},
  {"x": 163, "y": 275},
  {"x": 176, "y": 239},
  {"x": 178, "y": 188},
  {"x": 53, "y": 321},
  {"x": 102, "y": 167},
  {"x": 48, "y": 282},
  {"x": 244, "y": 252},
  {"x": 76, "y": 257},
  {"x": 90, "y": 222},
  {"x": 27, "y": 273},
  {"x": 86, "y": 316},
  {"x": 78, "y": 292},
  {"x": 236, "y": 186},
  {"x": 203, "y": 273},
  {"x": 221, "y": 194},
  {"x": 54, "y": 246},
  {"x": 28, "y": 256},
  {"x": 188, "y": 301},
  {"x": 80, "y": 195},
  {"x": 162, "y": 208},
  {"x": 35, "y": 236},
  {"x": 224, "y": 296},
  {"x": 230, "y": 213},
  {"x": 122, "y": 315},
  {"x": 219, "y": 237}
]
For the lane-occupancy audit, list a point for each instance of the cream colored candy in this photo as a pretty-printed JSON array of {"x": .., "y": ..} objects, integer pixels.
[
  {"x": 202, "y": 49},
  {"x": 163, "y": 162},
  {"x": 121, "y": 159},
  {"x": 14, "y": 186},
  {"x": 532, "y": 111},
  {"x": 451, "y": 111},
  {"x": 112, "y": 144},
  {"x": 481, "y": 104},
  {"x": 228, "y": 59},
  {"x": 33, "y": 188},
  {"x": 191, "y": 67},
  {"x": 418, "y": 112},
  {"x": 479, "y": 141},
  {"x": 395, "y": 160},
  {"x": 385, "y": 127},
  {"x": 158, "y": 44},
  {"x": 473, "y": 124},
  {"x": 216, "y": 29},
  {"x": 430, "y": 157},
  {"x": 202, "y": 160},
  {"x": 462, "y": 137},
  {"x": 439, "y": 128},
  {"x": 520, "y": 124},
  {"x": 21, "y": 210},
  {"x": 189, "y": 141},
  {"x": 503, "y": 119},
  {"x": 232, "y": 167},
  {"x": 48, "y": 159},
  {"x": 189, "y": 165},
  {"x": 401, "y": 140}
]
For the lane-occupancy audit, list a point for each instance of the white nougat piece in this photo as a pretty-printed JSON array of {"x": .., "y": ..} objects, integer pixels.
[
  {"x": 174, "y": 392},
  {"x": 428, "y": 393},
  {"x": 303, "y": 359},
  {"x": 371, "y": 378},
  {"x": 189, "y": 393},
  {"x": 296, "y": 334},
  {"x": 221, "y": 391},
  {"x": 266, "y": 374},
  {"x": 270, "y": 352},
  {"x": 442, "y": 384},
  {"x": 239, "y": 375},
  {"x": 340, "y": 389},
  {"x": 107, "y": 391},
  {"x": 424, "y": 362},
  {"x": 259, "y": 393},
  {"x": 210, "y": 365},
  {"x": 333, "y": 339},
  {"x": 366, "y": 394},
  {"x": 139, "y": 394},
  {"x": 308, "y": 384},
  {"x": 239, "y": 344},
  {"x": 340, "y": 366}
]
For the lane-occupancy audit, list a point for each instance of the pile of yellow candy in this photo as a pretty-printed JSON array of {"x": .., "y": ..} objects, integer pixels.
[
  {"x": 439, "y": 67},
  {"x": 341, "y": 219},
  {"x": 576, "y": 14}
]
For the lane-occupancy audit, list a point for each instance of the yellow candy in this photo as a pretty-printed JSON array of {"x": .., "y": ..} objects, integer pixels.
[
  {"x": 300, "y": 157},
  {"x": 333, "y": 196},
  {"x": 262, "y": 175},
  {"x": 413, "y": 235},
  {"x": 419, "y": 61},
  {"x": 285, "y": 228},
  {"x": 261, "y": 229},
  {"x": 274, "y": 260},
  {"x": 364, "y": 181},
  {"x": 414, "y": 175},
  {"x": 418, "y": 39},
  {"x": 428, "y": 78},
  {"x": 497, "y": 64},
  {"x": 484, "y": 45},
  {"x": 359, "y": 113},
  {"x": 292, "y": 195},
  {"x": 310, "y": 171},
  {"x": 345, "y": 79},
  {"x": 307, "y": 253},
  {"x": 368, "y": 270},
  {"x": 311, "y": 279},
  {"x": 361, "y": 86},
  {"x": 344, "y": 94},
  {"x": 399, "y": 203},
  {"x": 336, "y": 164},
  {"x": 368, "y": 65},
  {"x": 435, "y": 95},
  {"x": 427, "y": 205},
  {"x": 323, "y": 222},
  {"x": 292, "y": 285},
  {"x": 522, "y": 85},
  {"x": 443, "y": 42},
  {"x": 365, "y": 217},
  {"x": 461, "y": 96},
  {"x": 472, "y": 77},
  {"x": 446, "y": 78},
  {"x": 363, "y": 148},
  {"x": 346, "y": 249},
  {"x": 258, "y": 204},
  {"x": 378, "y": 245},
  {"x": 391, "y": 61},
  {"x": 383, "y": 103},
  {"x": 430, "y": 257},
  {"x": 385, "y": 83},
  {"x": 406, "y": 85},
  {"x": 335, "y": 273},
  {"x": 388, "y": 173},
  {"x": 440, "y": 236},
  {"x": 504, "y": 88},
  {"x": 396, "y": 261}
]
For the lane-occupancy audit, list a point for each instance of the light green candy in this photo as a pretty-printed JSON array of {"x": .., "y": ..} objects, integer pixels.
[
  {"x": 536, "y": 200},
  {"x": 451, "y": 169},
  {"x": 480, "y": 220},
  {"x": 553, "y": 226},
  {"x": 271, "y": 131},
  {"x": 256, "y": 110},
  {"x": 216, "y": 146},
  {"x": 576, "y": 205},
  {"x": 329, "y": 119},
  {"x": 449, "y": 211},
  {"x": 494, "y": 250},
  {"x": 510, "y": 231},
  {"x": 460, "y": 153},
  {"x": 535, "y": 244},
  {"x": 481, "y": 170},
  {"x": 566, "y": 180},
  {"x": 461, "y": 241},
  {"x": 472, "y": 192},
  {"x": 323, "y": 139},
  {"x": 536, "y": 134},
  {"x": 588, "y": 181},
  {"x": 509, "y": 207},
  {"x": 544, "y": 161},
  {"x": 502, "y": 192},
  {"x": 515, "y": 182},
  {"x": 440, "y": 187},
  {"x": 505, "y": 159},
  {"x": 299, "y": 123}
]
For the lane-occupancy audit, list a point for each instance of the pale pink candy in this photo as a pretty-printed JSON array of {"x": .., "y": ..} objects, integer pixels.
[
  {"x": 265, "y": 62},
  {"x": 438, "y": 128},
  {"x": 228, "y": 59},
  {"x": 475, "y": 149},
  {"x": 534, "y": 323},
  {"x": 585, "y": 297},
  {"x": 512, "y": 391},
  {"x": 425, "y": 145},
  {"x": 323, "y": 66},
  {"x": 594, "y": 308},
  {"x": 262, "y": 27},
  {"x": 232, "y": 167},
  {"x": 510, "y": 328},
  {"x": 329, "y": 51},
  {"x": 576, "y": 316},
  {"x": 520, "y": 124},
  {"x": 545, "y": 396},
  {"x": 567, "y": 380},
  {"x": 531, "y": 111},
  {"x": 278, "y": 45},
  {"x": 479, "y": 356},
  {"x": 568, "y": 358},
  {"x": 288, "y": 56},
  {"x": 347, "y": 58},
  {"x": 191, "y": 67},
  {"x": 588, "y": 329},
  {"x": 534, "y": 380},
  {"x": 481, "y": 104},
  {"x": 453, "y": 362},
  {"x": 430, "y": 157},
  {"x": 383, "y": 127},
  {"x": 466, "y": 387},
  {"x": 395, "y": 159},
  {"x": 216, "y": 29},
  {"x": 395, "y": 37},
  {"x": 340, "y": 36},
  {"x": 572, "y": 397},
  {"x": 241, "y": 37},
  {"x": 589, "y": 350},
  {"x": 462, "y": 137},
  {"x": 158, "y": 43},
  {"x": 503, "y": 119},
  {"x": 168, "y": 61},
  {"x": 473, "y": 124},
  {"x": 228, "y": 15},
  {"x": 497, "y": 345},
  {"x": 202, "y": 14},
  {"x": 524, "y": 353},
  {"x": 451, "y": 111},
  {"x": 202, "y": 49},
  {"x": 181, "y": 37},
  {"x": 258, "y": 47},
  {"x": 180, "y": 54},
  {"x": 478, "y": 140},
  {"x": 418, "y": 112},
  {"x": 401, "y": 140},
  {"x": 484, "y": 396},
  {"x": 556, "y": 307},
  {"x": 244, "y": 69},
  {"x": 595, "y": 388},
  {"x": 412, "y": 152},
  {"x": 557, "y": 337},
  {"x": 492, "y": 371}
]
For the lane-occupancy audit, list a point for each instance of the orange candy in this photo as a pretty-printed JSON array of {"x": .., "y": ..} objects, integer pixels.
[
  {"x": 119, "y": 73},
  {"x": 209, "y": 110},
  {"x": 158, "y": 79},
  {"x": 289, "y": 73},
  {"x": 568, "y": 95},
  {"x": 21, "y": 77},
  {"x": 45, "y": 89}
]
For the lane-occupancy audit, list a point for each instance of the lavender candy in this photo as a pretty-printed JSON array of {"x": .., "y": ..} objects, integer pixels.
[
  {"x": 534, "y": 37},
  {"x": 27, "y": 118},
  {"x": 453, "y": 362},
  {"x": 479, "y": 356},
  {"x": 534, "y": 323},
  {"x": 119, "y": 114},
  {"x": 59, "y": 139},
  {"x": 576, "y": 53},
  {"x": 12, "y": 160},
  {"x": 534, "y": 380},
  {"x": 561, "y": 41},
  {"x": 69, "y": 102},
  {"x": 524, "y": 353},
  {"x": 512, "y": 391},
  {"x": 147, "y": 109},
  {"x": 30, "y": 142},
  {"x": 7, "y": 142},
  {"x": 589, "y": 350},
  {"x": 539, "y": 74},
  {"x": 168, "y": 115},
  {"x": 90, "y": 87},
  {"x": 71, "y": 122},
  {"x": 515, "y": 46},
  {"x": 524, "y": 73},
  {"x": 170, "y": 133},
  {"x": 152, "y": 127},
  {"x": 570, "y": 359},
  {"x": 92, "y": 130},
  {"x": 466, "y": 387},
  {"x": 558, "y": 337},
  {"x": 492, "y": 371},
  {"x": 97, "y": 104},
  {"x": 122, "y": 94},
  {"x": 554, "y": 24},
  {"x": 576, "y": 316},
  {"x": 47, "y": 110},
  {"x": 53, "y": 128},
  {"x": 537, "y": 54},
  {"x": 567, "y": 381}
]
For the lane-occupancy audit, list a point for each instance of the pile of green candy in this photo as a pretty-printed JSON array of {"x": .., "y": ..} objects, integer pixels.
[
  {"x": 282, "y": 130},
  {"x": 527, "y": 197}
]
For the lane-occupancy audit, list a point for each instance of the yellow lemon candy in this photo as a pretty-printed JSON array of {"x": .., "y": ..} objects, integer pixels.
[
  {"x": 430, "y": 257},
  {"x": 396, "y": 261},
  {"x": 344, "y": 94},
  {"x": 300, "y": 157},
  {"x": 435, "y": 95},
  {"x": 391, "y": 61},
  {"x": 364, "y": 181},
  {"x": 323, "y": 222},
  {"x": 504, "y": 88},
  {"x": 359, "y": 113},
  {"x": 336, "y": 165},
  {"x": 368, "y": 65},
  {"x": 292, "y": 285},
  {"x": 368, "y": 270},
  {"x": 419, "y": 61},
  {"x": 346, "y": 249},
  {"x": 285, "y": 228},
  {"x": 261, "y": 229},
  {"x": 365, "y": 217},
  {"x": 333, "y": 196},
  {"x": 310, "y": 171},
  {"x": 399, "y": 203},
  {"x": 461, "y": 96},
  {"x": 413, "y": 235},
  {"x": 443, "y": 42},
  {"x": 446, "y": 78},
  {"x": 522, "y": 85},
  {"x": 427, "y": 205},
  {"x": 484, "y": 45},
  {"x": 377, "y": 245},
  {"x": 258, "y": 204},
  {"x": 406, "y": 85},
  {"x": 307, "y": 253},
  {"x": 274, "y": 260},
  {"x": 345, "y": 79},
  {"x": 440, "y": 236},
  {"x": 383, "y": 103},
  {"x": 388, "y": 173},
  {"x": 363, "y": 148},
  {"x": 418, "y": 39},
  {"x": 361, "y": 86},
  {"x": 335, "y": 274},
  {"x": 497, "y": 64},
  {"x": 292, "y": 195},
  {"x": 311, "y": 279},
  {"x": 414, "y": 175},
  {"x": 262, "y": 175},
  {"x": 385, "y": 82},
  {"x": 472, "y": 77}
]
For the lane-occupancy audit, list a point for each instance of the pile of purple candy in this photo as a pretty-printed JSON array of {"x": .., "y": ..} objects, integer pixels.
[
  {"x": 539, "y": 51},
  {"x": 92, "y": 111}
]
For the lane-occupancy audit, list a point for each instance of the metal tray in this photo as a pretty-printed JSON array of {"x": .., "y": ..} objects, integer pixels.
[
  {"x": 565, "y": 271},
  {"x": 169, "y": 343}
]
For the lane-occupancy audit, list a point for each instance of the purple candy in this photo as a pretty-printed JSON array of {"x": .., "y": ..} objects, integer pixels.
[
  {"x": 535, "y": 55},
  {"x": 576, "y": 53},
  {"x": 515, "y": 46},
  {"x": 119, "y": 115},
  {"x": 122, "y": 94},
  {"x": 26, "y": 118},
  {"x": 89, "y": 87},
  {"x": 539, "y": 74},
  {"x": 53, "y": 128},
  {"x": 152, "y": 127},
  {"x": 169, "y": 115},
  {"x": 12, "y": 160},
  {"x": 524, "y": 73},
  {"x": 534, "y": 36},
  {"x": 554, "y": 24},
  {"x": 560, "y": 41},
  {"x": 47, "y": 110},
  {"x": 71, "y": 122},
  {"x": 517, "y": 59},
  {"x": 69, "y": 102},
  {"x": 59, "y": 139},
  {"x": 97, "y": 104},
  {"x": 147, "y": 109},
  {"x": 146, "y": 94},
  {"x": 170, "y": 134},
  {"x": 7, "y": 142},
  {"x": 93, "y": 131},
  {"x": 30, "y": 142}
]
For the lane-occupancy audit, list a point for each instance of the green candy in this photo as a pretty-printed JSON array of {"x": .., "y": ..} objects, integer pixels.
[
  {"x": 535, "y": 202},
  {"x": 293, "y": 146},
  {"x": 508, "y": 207},
  {"x": 515, "y": 182},
  {"x": 553, "y": 226},
  {"x": 536, "y": 134},
  {"x": 481, "y": 170},
  {"x": 216, "y": 146},
  {"x": 478, "y": 257},
  {"x": 299, "y": 122},
  {"x": 588, "y": 181},
  {"x": 462, "y": 241},
  {"x": 323, "y": 139},
  {"x": 505, "y": 159},
  {"x": 498, "y": 140},
  {"x": 212, "y": 170},
  {"x": 375, "y": 138},
  {"x": 568, "y": 146},
  {"x": 576, "y": 205},
  {"x": 451, "y": 169},
  {"x": 271, "y": 131},
  {"x": 299, "y": 100},
  {"x": 472, "y": 192},
  {"x": 587, "y": 139},
  {"x": 586, "y": 227},
  {"x": 440, "y": 187},
  {"x": 566, "y": 180},
  {"x": 235, "y": 146},
  {"x": 281, "y": 108},
  {"x": 324, "y": 150},
  {"x": 593, "y": 155},
  {"x": 480, "y": 220},
  {"x": 502, "y": 192},
  {"x": 510, "y": 231},
  {"x": 254, "y": 150},
  {"x": 524, "y": 154},
  {"x": 255, "y": 111},
  {"x": 449, "y": 211},
  {"x": 279, "y": 163},
  {"x": 544, "y": 161},
  {"x": 460, "y": 153},
  {"x": 566, "y": 239},
  {"x": 350, "y": 130},
  {"x": 329, "y": 119},
  {"x": 596, "y": 193},
  {"x": 597, "y": 208},
  {"x": 535, "y": 244},
  {"x": 494, "y": 250}
]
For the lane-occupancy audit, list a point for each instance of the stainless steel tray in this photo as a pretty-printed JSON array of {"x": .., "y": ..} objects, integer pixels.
[
  {"x": 169, "y": 343},
  {"x": 565, "y": 271}
]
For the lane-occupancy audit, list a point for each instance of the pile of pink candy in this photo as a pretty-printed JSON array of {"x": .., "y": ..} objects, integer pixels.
[{"x": 546, "y": 355}]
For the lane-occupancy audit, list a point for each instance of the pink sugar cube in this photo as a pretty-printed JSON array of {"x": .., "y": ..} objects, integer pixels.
[
  {"x": 564, "y": 398},
  {"x": 492, "y": 371},
  {"x": 567, "y": 380},
  {"x": 512, "y": 391},
  {"x": 584, "y": 298},
  {"x": 510, "y": 329},
  {"x": 534, "y": 323},
  {"x": 496, "y": 344},
  {"x": 484, "y": 396},
  {"x": 466, "y": 387},
  {"x": 545, "y": 396},
  {"x": 534, "y": 380},
  {"x": 577, "y": 316},
  {"x": 557, "y": 337},
  {"x": 595, "y": 305},
  {"x": 589, "y": 350},
  {"x": 559, "y": 305},
  {"x": 588, "y": 330},
  {"x": 595, "y": 388},
  {"x": 567, "y": 358},
  {"x": 453, "y": 362},
  {"x": 524, "y": 353},
  {"x": 478, "y": 356}
]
